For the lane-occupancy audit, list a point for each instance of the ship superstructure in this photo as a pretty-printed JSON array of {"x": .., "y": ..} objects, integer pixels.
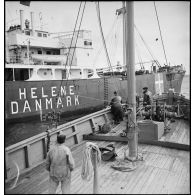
[
  {"x": 38, "y": 55},
  {"x": 46, "y": 72}
]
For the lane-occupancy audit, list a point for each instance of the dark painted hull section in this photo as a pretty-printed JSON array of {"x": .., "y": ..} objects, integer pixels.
[{"x": 24, "y": 99}]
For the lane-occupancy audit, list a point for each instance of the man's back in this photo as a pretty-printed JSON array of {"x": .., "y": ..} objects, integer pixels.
[
  {"x": 116, "y": 99},
  {"x": 59, "y": 161}
]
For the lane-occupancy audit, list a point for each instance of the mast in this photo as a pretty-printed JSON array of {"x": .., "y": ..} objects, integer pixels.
[
  {"x": 123, "y": 12},
  {"x": 124, "y": 35},
  {"x": 130, "y": 59}
]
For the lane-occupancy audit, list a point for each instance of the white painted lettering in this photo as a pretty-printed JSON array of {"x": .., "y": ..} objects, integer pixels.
[
  {"x": 71, "y": 90},
  {"x": 22, "y": 93},
  {"x": 68, "y": 101},
  {"x": 33, "y": 93},
  {"x": 38, "y": 105},
  {"x": 53, "y": 91},
  {"x": 48, "y": 102},
  {"x": 76, "y": 100},
  {"x": 59, "y": 102},
  {"x": 43, "y": 95},
  {"x": 63, "y": 90},
  {"x": 12, "y": 107},
  {"x": 26, "y": 106}
]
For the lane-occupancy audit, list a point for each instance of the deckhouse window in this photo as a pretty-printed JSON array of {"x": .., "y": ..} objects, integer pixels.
[
  {"x": 44, "y": 35},
  {"x": 39, "y": 34},
  {"x": 39, "y": 52},
  {"x": 27, "y": 33},
  {"x": 87, "y": 43}
]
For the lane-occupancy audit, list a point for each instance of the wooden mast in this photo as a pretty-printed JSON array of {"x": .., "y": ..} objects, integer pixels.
[
  {"x": 130, "y": 60},
  {"x": 124, "y": 35}
]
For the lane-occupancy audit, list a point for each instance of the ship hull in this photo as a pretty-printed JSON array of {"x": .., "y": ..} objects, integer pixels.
[{"x": 32, "y": 99}]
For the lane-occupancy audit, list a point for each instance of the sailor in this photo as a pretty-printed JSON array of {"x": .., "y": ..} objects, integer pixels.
[
  {"x": 147, "y": 103},
  {"x": 147, "y": 97},
  {"x": 116, "y": 108},
  {"x": 59, "y": 163}
]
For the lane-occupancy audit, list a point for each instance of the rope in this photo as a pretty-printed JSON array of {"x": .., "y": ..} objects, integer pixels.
[
  {"x": 160, "y": 32},
  {"x": 123, "y": 165},
  {"x": 161, "y": 38},
  {"x": 116, "y": 40},
  {"x": 77, "y": 36},
  {"x": 87, "y": 167},
  {"x": 147, "y": 47},
  {"x": 139, "y": 56},
  {"x": 102, "y": 35},
  {"x": 103, "y": 40},
  {"x": 108, "y": 36},
  {"x": 18, "y": 173},
  {"x": 71, "y": 43}
]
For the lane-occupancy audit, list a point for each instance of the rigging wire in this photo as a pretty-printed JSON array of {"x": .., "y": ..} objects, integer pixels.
[
  {"x": 139, "y": 56},
  {"x": 104, "y": 43},
  {"x": 77, "y": 37},
  {"x": 103, "y": 40},
  {"x": 74, "y": 48},
  {"x": 147, "y": 47},
  {"x": 160, "y": 32},
  {"x": 116, "y": 40},
  {"x": 161, "y": 39},
  {"x": 112, "y": 43},
  {"x": 107, "y": 38},
  {"x": 70, "y": 44}
]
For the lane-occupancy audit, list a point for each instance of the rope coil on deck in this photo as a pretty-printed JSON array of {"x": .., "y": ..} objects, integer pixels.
[
  {"x": 87, "y": 166},
  {"x": 124, "y": 166}
]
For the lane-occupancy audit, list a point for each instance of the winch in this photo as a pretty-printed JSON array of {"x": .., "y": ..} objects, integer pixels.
[{"x": 158, "y": 113}]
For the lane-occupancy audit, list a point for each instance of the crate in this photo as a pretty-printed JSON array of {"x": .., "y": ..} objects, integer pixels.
[{"x": 150, "y": 130}]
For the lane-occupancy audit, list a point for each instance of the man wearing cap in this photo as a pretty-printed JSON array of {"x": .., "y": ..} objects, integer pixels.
[
  {"x": 147, "y": 97},
  {"x": 59, "y": 163}
]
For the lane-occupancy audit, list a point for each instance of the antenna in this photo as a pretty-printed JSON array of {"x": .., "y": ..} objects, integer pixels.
[{"x": 41, "y": 21}]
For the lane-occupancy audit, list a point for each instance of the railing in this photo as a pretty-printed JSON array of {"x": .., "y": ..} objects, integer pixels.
[{"x": 32, "y": 152}]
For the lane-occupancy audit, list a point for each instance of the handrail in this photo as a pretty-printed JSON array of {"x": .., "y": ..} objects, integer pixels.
[
  {"x": 32, "y": 152},
  {"x": 40, "y": 136}
]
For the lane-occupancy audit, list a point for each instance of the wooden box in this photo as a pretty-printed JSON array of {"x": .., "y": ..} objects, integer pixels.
[{"x": 150, "y": 130}]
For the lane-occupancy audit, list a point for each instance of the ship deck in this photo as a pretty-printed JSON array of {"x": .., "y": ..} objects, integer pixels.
[{"x": 163, "y": 170}]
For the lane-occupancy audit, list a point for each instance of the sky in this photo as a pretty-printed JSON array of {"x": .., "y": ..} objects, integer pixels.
[{"x": 174, "y": 17}]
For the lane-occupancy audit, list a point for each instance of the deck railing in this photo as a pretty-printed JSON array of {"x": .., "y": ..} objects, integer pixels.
[{"x": 32, "y": 152}]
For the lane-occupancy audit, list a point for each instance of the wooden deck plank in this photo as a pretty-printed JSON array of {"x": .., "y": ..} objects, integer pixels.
[
  {"x": 145, "y": 188},
  {"x": 179, "y": 132},
  {"x": 139, "y": 181},
  {"x": 135, "y": 178},
  {"x": 103, "y": 173},
  {"x": 155, "y": 180},
  {"x": 159, "y": 185},
  {"x": 123, "y": 179},
  {"x": 162, "y": 167},
  {"x": 142, "y": 180}
]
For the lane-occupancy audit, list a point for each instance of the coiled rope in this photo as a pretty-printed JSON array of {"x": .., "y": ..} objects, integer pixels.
[{"x": 87, "y": 167}]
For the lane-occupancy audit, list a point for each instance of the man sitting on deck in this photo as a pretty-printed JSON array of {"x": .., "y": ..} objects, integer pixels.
[
  {"x": 116, "y": 108},
  {"x": 59, "y": 163}
]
